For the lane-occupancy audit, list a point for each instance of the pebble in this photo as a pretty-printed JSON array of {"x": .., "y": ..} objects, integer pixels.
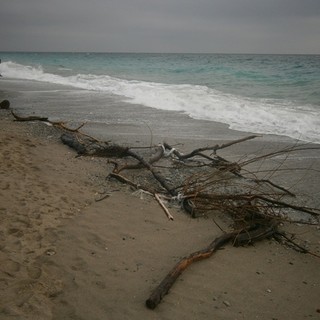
[
  {"x": 268, "y": 290},
  {"x": 50, "y": 252},
  {"x": 226, "y": 303}
]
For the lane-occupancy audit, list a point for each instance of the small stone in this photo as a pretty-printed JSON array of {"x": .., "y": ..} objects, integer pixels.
[
  {"x": 50, "y": 252},
  {"x": 226, "y": 303},
  {"x": 5, "y": 104},
  {"x": 268, "y": 290}
]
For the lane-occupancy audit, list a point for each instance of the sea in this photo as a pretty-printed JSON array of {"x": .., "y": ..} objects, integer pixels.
[{"x": 260, "y": 93}]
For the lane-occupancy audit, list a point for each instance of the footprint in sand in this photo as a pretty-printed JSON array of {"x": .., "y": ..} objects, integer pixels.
[{"x": 10, "y": 267}]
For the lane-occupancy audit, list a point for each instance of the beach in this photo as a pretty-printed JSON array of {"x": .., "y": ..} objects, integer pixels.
[{"x": 64, "y": 255}]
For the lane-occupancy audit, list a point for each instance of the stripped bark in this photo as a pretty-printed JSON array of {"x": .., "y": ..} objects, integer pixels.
[
  {"x": 168, "y": 214},
  {"x": 163, "y": 288},
  {"x": 243, "y": 238}
]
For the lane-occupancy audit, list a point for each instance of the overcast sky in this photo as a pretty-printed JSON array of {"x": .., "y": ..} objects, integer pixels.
[{"x": 217, "y": 26}]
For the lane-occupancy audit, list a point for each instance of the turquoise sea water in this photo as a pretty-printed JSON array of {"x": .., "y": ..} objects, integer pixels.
[{"x": 278, "y": 94}]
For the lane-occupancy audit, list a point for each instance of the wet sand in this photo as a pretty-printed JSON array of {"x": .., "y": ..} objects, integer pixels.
[{"x": 64, "y": 255}]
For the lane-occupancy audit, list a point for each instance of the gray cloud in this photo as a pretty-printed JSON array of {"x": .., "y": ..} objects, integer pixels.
[{"x": 258, "y": 26}]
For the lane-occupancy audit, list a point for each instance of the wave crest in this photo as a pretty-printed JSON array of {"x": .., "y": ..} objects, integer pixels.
[{"x": 272, "y": 116}]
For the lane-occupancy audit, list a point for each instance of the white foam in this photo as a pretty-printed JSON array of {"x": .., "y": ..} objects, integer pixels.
[{"x": 200, "y": 102}]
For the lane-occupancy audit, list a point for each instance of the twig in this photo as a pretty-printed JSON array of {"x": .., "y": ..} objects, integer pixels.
[
  {"x": 295, "y": 245},
  {"x": 103, "y": 197},
  {"x": 170, "y": 217},
  {"x": 228, "y": 144},
  {"x": 124, "y": 180}
]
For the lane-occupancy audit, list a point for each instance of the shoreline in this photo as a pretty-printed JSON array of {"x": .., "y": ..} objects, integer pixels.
[
  {"x": 61, "y": 251},
  {"x": 126, "y": 118}
]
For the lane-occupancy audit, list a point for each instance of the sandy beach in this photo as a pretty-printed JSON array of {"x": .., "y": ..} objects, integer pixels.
[{"x": 64, "y": 255}]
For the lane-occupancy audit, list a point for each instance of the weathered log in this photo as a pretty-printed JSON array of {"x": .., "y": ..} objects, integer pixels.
[
  {"x": 29, "y": 118},
  {"x": 103, "y": 149},
  {"x": 71, "y": 141},
  {"x": 165, "y": 285},
  {"x": 93, "y": 148}
]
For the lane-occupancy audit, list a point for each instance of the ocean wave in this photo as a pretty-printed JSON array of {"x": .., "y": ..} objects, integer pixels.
[{"x": 271, "y": 116}]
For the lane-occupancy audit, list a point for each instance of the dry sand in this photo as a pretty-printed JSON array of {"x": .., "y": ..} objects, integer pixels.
[{"x": 65, "y": 256}]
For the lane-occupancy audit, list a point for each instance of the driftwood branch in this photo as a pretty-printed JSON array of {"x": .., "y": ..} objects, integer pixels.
[
  {"x": 157, "y": 176},
  {"x": 165, "y": 285},
  {"x": 29, "y": 118},
  {"x": 243, "y": 238},
  {"x": 211, "y": 184},
  {"x": 125, "y": 180},
  {"x": 170, "y": 217},
  {"x": 214, "y": 149},
  {"x": 293, "y": 244},
  {"x": 59, "y": 124},
  {"x": 156, "y": 157},
  {"x": 228, "y": 144}
]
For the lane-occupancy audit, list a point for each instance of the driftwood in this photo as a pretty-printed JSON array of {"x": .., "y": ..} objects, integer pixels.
[
  {"x": 73, "y": 143},
  {"x": 279, "y": 236},
  {"x": 243, "y": 238},
  {"x": 156, "y": 175},
  {"x": 59, "y": 124},
  {"x": 170, "y": 217},
  {"x": 165, "y": 285},
  {"x": 203, "y": 183},
  {"x": 29, "y": 118}
]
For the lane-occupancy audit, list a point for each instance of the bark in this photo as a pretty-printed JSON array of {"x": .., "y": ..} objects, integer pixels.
[
  {"x": 73, "y": 143},
  {"x": 30, "y": 118},
  {"x": 165, "y": 285},
  {"x": 238, "y": 238},
  {"x": 157, "y": 176}
]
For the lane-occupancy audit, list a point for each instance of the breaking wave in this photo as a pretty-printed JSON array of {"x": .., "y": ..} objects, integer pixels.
[{"x": 271, "y": 116}]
